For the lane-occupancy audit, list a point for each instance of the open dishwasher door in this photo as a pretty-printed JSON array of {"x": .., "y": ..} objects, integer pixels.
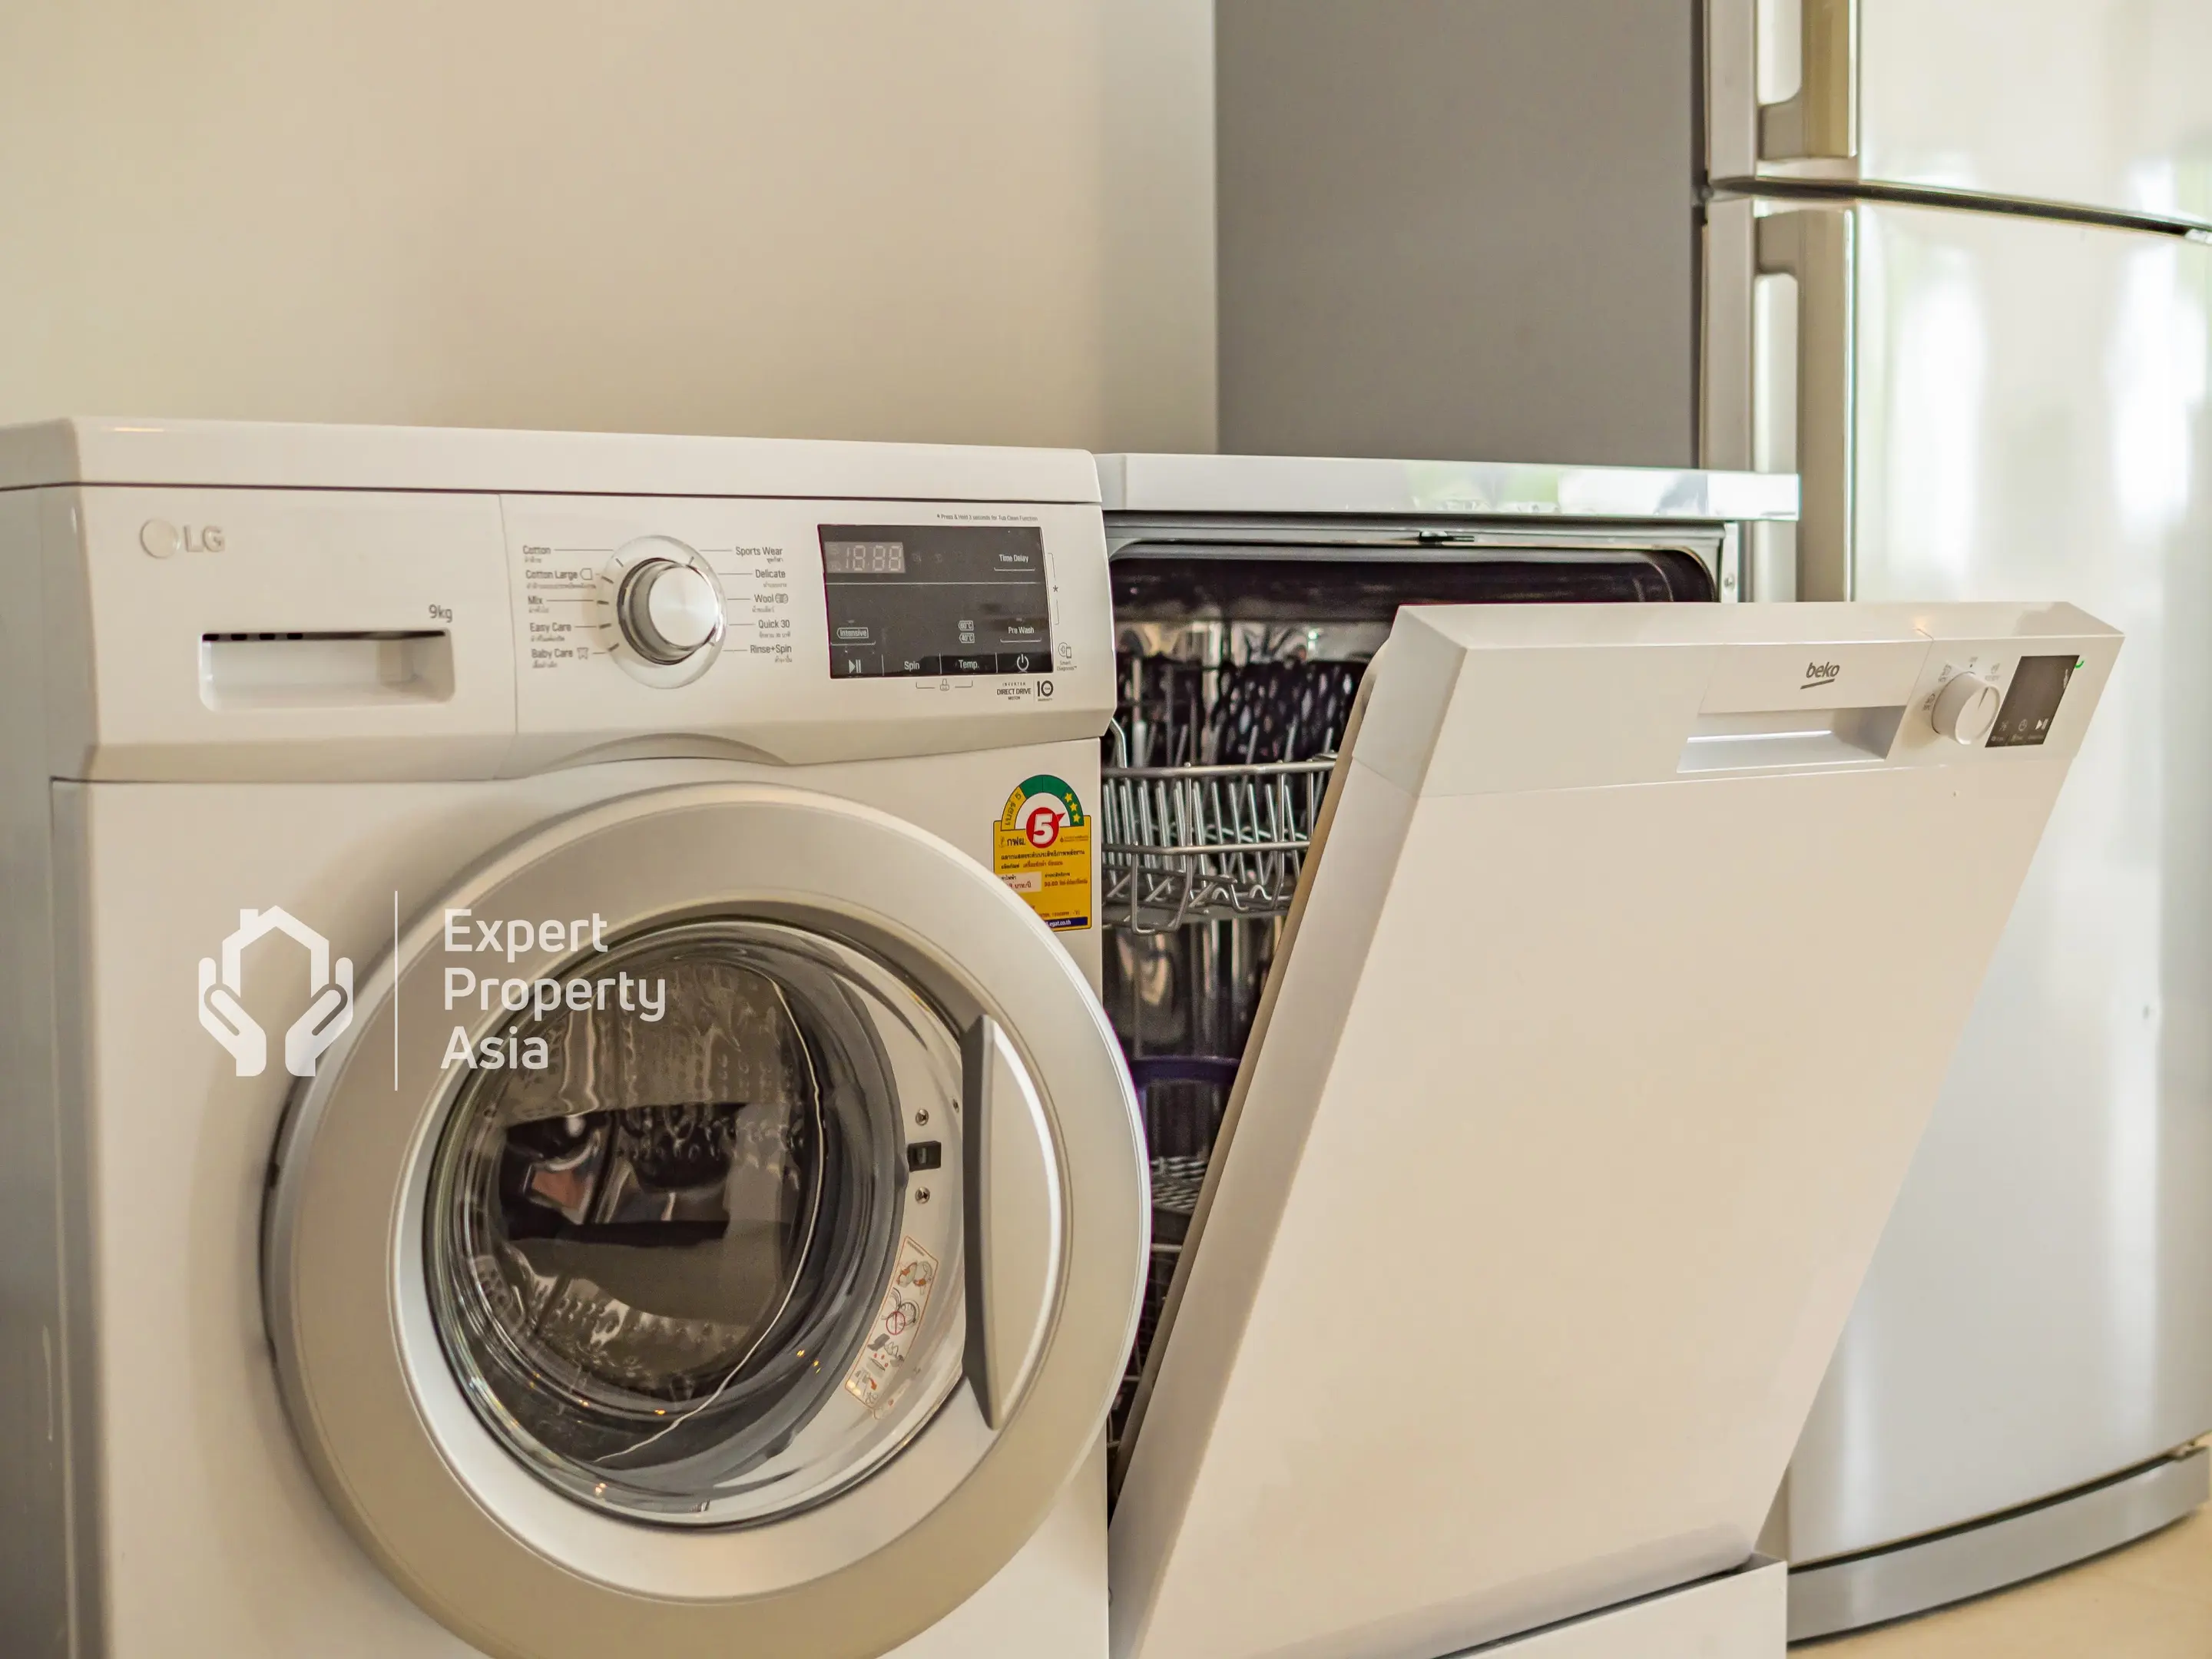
[{"x": 1631, "y": 954}]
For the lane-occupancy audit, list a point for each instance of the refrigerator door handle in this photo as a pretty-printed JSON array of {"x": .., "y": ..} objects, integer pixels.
[
  {"x": 1814, "y": 246},
  {"x": 1820, "y": 122}
]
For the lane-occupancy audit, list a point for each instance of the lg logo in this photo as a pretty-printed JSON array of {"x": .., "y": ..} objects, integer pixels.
[{"x": 162, "y": 539}]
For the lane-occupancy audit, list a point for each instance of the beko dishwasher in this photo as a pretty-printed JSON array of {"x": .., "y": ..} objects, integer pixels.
[{"x": 1537, "y": 970}]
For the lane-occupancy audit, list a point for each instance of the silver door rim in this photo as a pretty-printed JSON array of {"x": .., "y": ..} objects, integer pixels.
[
  {"x": 816, "y": 1456},
  {"x": 485, "y": 1544}
]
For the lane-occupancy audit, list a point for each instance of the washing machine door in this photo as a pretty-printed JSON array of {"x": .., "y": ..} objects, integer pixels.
[{"x": 717, "y": 1230}]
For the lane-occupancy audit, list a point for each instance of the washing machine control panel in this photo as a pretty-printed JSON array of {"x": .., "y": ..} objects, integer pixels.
[
  {"x": 803, "y": 630},
  {"x": 926, "y": 601},
  {"x": 247, "y": 602}
]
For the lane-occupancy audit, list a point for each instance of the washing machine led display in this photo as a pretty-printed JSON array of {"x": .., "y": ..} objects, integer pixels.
[{"x": 915, "y": 600}]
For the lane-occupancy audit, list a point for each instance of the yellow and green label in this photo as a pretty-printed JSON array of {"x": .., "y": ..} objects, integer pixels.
[{"x": 1042, "y": 849}]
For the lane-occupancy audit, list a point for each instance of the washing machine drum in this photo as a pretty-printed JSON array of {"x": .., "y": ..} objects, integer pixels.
[{"x": 718, "y": 1229}]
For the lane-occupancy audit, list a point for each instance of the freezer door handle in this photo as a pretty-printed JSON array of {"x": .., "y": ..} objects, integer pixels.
[
  {"x": 1820, "y": 122},
  {"x": 1816, "y": 247}
]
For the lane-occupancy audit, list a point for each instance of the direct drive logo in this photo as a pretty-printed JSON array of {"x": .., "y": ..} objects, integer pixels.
[{"x": 329, "y": 990}]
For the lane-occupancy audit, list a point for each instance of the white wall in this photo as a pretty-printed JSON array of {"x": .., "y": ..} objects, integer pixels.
[{"x": 972, "y": 220}]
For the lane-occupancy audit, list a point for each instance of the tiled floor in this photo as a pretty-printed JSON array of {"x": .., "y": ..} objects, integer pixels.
[{"x": 2150, "y": 1601}]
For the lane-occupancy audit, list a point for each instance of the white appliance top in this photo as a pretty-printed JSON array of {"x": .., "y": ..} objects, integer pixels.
[
  {"x": 275, "y": 455},
  {"x": 1311, "y": 484}
]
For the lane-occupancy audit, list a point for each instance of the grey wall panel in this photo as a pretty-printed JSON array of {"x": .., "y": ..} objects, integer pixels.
[{"x": 1458, "y": 228}]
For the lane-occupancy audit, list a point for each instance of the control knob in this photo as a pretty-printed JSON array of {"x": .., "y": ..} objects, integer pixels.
[
  {"x": 1965, "y": 709},
  {"x": 658, "y": 611},
  {"x": 667, "y": 610}
]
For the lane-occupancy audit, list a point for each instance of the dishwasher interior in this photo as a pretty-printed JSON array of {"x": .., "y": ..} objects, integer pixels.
[{"x": 1240, "y": 653}]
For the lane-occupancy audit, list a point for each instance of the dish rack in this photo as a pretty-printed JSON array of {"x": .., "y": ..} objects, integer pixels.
[
  {"x": 1211, "y": 819},
  {"x": 1206, "y": 843},
  {"x": 1214, "y": 777}
]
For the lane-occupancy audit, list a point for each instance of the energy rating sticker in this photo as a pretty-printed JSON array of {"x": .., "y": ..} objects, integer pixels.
[{"x": 1042, "y": 849}]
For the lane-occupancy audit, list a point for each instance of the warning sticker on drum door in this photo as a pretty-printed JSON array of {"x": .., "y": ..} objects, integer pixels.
[
  {"x": 1042, "y": 849},
  {"x": 874, "y": 1379}
]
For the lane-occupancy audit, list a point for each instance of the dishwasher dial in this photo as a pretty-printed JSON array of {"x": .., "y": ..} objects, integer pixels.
[
  {"x": 660, "y": 609},
  {"x": 1965, "y": 709}
]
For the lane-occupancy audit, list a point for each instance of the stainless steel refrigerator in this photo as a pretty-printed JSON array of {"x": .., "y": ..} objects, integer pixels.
[{"x": 1953, "y": 260}]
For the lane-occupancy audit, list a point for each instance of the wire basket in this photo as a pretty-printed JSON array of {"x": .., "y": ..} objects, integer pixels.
[{"x": 1206, "y": 843}]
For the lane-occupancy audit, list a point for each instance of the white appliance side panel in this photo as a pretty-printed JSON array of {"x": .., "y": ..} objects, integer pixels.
[
  {"x": 2039, "y": 1314},
  {"x": 1050, "y": 1599},
  {"x": 1511, "y": 1297},
  {"x": 214, "y": 1538},
  {"x": 2099, "y": 103},
  {"x": 43, "y": 1491}
]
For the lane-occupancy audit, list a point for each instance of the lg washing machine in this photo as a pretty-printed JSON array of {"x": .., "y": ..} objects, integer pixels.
[{"x": 558, "y": 1106}]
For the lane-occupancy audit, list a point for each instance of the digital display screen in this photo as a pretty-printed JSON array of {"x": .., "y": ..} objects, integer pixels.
[
  {"x": 924, "y": 600},
  {"x": 864, "y": 558},
  {"x": 2031, "y": 703}
]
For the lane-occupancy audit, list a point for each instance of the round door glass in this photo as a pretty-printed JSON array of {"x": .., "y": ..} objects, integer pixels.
[{"x": 662, "y": 1231}]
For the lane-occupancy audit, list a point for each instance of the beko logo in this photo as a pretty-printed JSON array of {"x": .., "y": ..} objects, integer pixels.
[
  {"x": 162, "y": 539},
  {"x": 1821, "y": 673}
]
